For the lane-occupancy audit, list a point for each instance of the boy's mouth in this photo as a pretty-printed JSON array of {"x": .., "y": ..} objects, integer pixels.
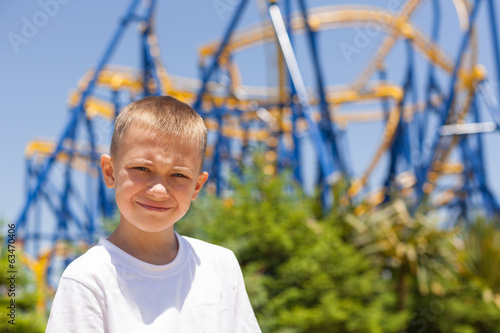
[{"x": 155, "y": 207}]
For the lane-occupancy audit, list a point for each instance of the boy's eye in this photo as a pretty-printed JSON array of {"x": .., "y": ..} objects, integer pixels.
[
  {"x": 141, "y": 169},
  {"x": 179, "y": 175}
]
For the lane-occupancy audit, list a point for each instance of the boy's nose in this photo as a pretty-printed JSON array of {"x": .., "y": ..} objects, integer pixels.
[{"x": 158, "y": 191}]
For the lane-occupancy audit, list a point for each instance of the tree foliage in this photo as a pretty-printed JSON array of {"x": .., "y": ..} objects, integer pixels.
[
  {"x": 301, "y": 274},
  {"x": 306, "y": 272},
  {"x": 411, "y": 247}
]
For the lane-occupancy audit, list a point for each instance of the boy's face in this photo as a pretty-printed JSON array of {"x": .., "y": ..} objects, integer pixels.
[{"x": 155, "y": 178}]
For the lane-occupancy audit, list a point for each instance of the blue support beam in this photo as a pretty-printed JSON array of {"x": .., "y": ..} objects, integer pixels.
[
  {"x": 495, "y": 41},
  {"x": 328, "y": 127},
  {"x": 322, "y": 153},
  {"x": 451, "y": 95},
  {"x": 208, "y": 72},
  {"x": 76, "y": 113}
]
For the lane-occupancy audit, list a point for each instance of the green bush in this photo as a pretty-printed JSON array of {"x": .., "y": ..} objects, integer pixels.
[
  {"x": 342, "y": 273},
  {"x": 301, "y": 275}
]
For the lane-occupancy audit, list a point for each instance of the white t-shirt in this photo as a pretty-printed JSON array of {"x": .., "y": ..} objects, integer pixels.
[{"x": 108, "y": 290}]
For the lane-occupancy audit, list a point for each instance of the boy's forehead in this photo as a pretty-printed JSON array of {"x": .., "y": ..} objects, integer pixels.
[{"x": 138, "y": 133}]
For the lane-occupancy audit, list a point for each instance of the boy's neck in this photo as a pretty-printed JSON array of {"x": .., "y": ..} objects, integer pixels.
[{"x": 154, "y": 248}]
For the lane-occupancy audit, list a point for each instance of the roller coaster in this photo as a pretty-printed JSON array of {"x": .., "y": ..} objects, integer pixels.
[{"x": 430, "y": 147}]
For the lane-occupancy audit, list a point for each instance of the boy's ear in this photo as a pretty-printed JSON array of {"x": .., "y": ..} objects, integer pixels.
[
  {"x": 107, "y": 170},
  {"x": 202, "y": 179}
]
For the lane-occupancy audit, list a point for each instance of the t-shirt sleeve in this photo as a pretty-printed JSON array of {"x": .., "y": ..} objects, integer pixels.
[
  {"x": 76, "y": 308},
  {"x": 245, "y": 319}
]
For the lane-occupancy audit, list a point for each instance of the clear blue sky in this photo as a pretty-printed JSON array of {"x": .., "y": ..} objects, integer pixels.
[{"x": 37, "y": 78}]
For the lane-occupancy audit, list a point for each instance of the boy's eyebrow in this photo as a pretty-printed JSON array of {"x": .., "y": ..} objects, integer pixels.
[
  {"x": 150, "y": 163},
  {"x": 181, "y": 168},
  {"x": 140, "y": 161}
]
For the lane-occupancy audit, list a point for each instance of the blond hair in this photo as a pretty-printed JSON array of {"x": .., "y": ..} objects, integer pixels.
[{"x": 162, "y": 115}]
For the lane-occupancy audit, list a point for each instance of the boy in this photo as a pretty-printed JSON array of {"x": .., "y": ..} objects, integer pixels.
[{"x": 145, "y": 277}]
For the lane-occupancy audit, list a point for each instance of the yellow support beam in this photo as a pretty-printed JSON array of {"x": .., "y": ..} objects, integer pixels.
[
  {"x": 390, "y": 130},
  {"x": 380, "y": 90},
  {"x": 93, "y": 106},
  {"x": 41, "y": 149},
  {"x": 400, "y": 27},
  {"x": 39, "y": 268}
]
